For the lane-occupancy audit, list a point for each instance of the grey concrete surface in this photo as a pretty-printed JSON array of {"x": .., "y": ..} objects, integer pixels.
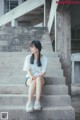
[
  {"x": 76, "y": 105},
  {"x": 13, "y": 93},
  {"x": 63, "y": 40}
]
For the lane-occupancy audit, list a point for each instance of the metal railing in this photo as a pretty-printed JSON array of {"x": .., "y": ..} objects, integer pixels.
[{"x": 52, "y": 14}]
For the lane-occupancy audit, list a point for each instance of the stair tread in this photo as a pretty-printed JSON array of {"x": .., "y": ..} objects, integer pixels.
[
  {"x": 9, "y": 85},
  {"x": 20, "y": 80},
  {"x": 21, "y": 100},
  {"x": 22, "y": 89},
  {"x": 45, "y": 76},
  {"x": 24, "y": 95},
  {"x": 48, "y": 77},
  {"x": 45, "y": 108}
]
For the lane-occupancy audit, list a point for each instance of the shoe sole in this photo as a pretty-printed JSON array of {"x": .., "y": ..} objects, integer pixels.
[
  {"x": 30, "y": 110},
  {"x": 37, "y": 108}
]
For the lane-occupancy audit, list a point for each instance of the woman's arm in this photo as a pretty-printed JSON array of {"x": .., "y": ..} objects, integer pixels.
[
  {"x": 41, "y": 74},
  {"x": 30, "y": 74}
]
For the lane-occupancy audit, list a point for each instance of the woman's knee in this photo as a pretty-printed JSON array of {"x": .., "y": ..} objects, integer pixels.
[
  {"x": 33, "y": 82},
  {"x": 38, "y": 78}
]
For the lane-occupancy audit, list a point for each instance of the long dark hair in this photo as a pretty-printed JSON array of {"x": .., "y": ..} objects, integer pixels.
[{"x": 37, "y": 44}]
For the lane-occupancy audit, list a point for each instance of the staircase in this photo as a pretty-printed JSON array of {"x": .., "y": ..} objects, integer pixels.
[
  {"x": 14, "y": 46},
  {"x": 22, "y": 9}
]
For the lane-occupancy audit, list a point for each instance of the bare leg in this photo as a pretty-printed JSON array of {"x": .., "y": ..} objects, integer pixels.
[
  {"x": 32, "y": 86},
  {"x": 39, "y": 85}
]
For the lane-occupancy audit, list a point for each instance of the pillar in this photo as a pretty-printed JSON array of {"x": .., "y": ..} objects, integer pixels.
[
  {"x": 14, "y": 23},
  {"x": 63, "y": 43},
  {"x": 1, "y": 7},
  {"x": 45, "y": 14}
]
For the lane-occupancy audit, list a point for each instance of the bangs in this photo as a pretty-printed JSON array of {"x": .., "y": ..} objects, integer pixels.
[{"x": 31, "y": 44}]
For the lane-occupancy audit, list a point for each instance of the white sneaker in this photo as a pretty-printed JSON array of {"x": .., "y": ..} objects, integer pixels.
[
  {"x": 29, "y": 107},
  {"x": 37, "y": 105}
]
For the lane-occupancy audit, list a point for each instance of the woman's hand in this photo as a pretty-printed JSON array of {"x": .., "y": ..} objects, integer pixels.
[
  {"x": 30, "y": 75},
  {"x": 33, "y": 77},
  {"x": 41, "y": 74}
]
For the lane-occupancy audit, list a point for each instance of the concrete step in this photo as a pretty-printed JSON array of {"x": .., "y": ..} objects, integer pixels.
[
  {"x": 23, "y": 89},
  {"x": 47, "y": 113},
  {"x": 21, "y": 80},
  {"x": 3, "y": 43},
  {"x": 17, "y": 61},
  {"x": 20, "y": 100},
  {"x": 16, "y": 72},
  {"x": 25, "y": 53},
  {"x": 21, "y": 59},
  {"x": 52, "y": 72},
  {"x": 18, "y": 65}
]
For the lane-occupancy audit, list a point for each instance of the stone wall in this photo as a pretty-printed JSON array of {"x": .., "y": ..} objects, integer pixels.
[
  {"x": 63, "y": 40},
  {"x": 18, "y": 38}
]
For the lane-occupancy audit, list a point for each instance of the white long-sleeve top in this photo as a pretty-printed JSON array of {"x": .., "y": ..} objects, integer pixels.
[{"x": 35, "y": 70}]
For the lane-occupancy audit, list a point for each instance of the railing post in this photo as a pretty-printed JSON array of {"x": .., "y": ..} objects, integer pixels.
[
  {"x": 45, "y": 13},
  {"x": 55, "y": 33},
  {"x": 14, "y": 23},
  {"x": 72, "y": 72},
  {"x": 53, "y": 9}
]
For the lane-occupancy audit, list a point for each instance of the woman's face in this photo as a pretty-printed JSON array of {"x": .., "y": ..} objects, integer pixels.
[{"x": 34, "y": 49}]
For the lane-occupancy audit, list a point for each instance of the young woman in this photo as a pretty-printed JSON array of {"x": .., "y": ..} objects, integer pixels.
[{"x": 35, "y": 65}]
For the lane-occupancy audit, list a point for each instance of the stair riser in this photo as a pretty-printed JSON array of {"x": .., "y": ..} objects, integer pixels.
[
  {"x": 47, "y": 90},
  {"x": 20, "y": 68},
  {"x": 21, "y": 59},
  {"x": 21, "y": 73},
  {"x": 42, "y": 115},
  {"x": 18, "y": 61},
  {"x": 17, "y": 65},
  {"x": 21, "y": 101},
  {"x": 25, "y": 53},
  {"x": 21, "y": 80}
]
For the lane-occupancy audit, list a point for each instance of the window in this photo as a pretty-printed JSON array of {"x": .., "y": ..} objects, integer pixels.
[
  {"x": 13, "y": 4},
  {"x": 24, "y": 0},
  {"x": 9, "y": 5}
]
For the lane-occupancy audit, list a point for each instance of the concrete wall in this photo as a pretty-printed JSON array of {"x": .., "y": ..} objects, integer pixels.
[
  {"x": 1, "y": 7},
  {"x": 63, "y": 39},
  {"x": 18, "y": 39}
]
